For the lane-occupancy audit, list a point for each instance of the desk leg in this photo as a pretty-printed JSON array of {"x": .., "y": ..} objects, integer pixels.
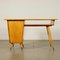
[
  {"x": 11, "y": 45},
  {"x": 50, "y": 37}
]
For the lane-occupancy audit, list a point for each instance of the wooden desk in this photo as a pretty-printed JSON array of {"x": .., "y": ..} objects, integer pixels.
[{"x": 16, "y": 29}]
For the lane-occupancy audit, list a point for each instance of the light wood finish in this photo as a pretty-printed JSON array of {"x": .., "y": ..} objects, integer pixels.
[
  {"x": 33, "y": 19},
  {"x": 16, "y": 29},
  {"x": 50, "y": 37}
]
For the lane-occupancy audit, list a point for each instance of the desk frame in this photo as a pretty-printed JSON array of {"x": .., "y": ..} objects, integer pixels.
[{"x": 46, "y": 25}]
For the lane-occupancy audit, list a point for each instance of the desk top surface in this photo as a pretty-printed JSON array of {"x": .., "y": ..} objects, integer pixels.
[{"x": 31, "y": 19}]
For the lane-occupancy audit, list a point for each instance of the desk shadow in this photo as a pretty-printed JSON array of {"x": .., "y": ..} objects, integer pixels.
[
  {"x": 17, "y": 55},
  {"x": 50, "y": 54}
]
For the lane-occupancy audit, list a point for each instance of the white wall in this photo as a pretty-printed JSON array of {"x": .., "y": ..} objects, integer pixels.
[{"x": 30, "y": 9}]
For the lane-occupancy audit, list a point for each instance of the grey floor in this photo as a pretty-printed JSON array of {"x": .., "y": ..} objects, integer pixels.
[{"x": 33, "y": 50}]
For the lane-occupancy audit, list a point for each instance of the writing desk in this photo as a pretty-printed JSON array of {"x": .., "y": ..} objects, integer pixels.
[{"x": 16, "y": 29}]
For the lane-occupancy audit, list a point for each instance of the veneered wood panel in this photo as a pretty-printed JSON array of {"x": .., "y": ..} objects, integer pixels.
[{"x": 15, "y": 29}]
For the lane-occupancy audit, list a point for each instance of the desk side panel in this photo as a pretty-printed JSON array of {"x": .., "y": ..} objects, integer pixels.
[{"x": 15, "y": 29}]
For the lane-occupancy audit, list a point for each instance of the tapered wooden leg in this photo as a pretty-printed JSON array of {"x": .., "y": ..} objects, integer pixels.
[
  {"x": 11, "y": 45},
  {"x": 50, "y": 37},
  {"x": 21, "y": 45}
]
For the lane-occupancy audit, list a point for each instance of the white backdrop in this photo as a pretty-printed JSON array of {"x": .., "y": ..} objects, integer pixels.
[{"x": 30, "y": 9}]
